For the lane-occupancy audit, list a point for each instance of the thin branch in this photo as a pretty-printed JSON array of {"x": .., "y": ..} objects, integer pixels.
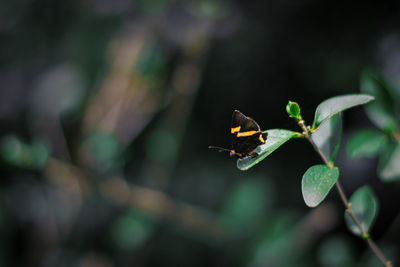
[
  {"x": 345, "y": 201},
  {"x": 396, "y": 136},
  {"x": 75, "y": 181},
  {"x": 379, "y": 253}
]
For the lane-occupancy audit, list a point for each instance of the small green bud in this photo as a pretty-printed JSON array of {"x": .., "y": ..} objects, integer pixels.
[
  {"x": 293, "y": 109},
  {"x": 365, "y": 236},
  {"x": 390, "y": 128}
]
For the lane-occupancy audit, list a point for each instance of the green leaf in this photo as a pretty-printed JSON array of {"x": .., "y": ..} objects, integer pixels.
[
  {"x": 334, "y": 105},
  {"x": 365, "y": 207},
  {"x": 366, "y": 143},
  {"x": 317, "y": 182},
  {"x": 389, "y": 164},
  {"x": 275, "y": 138},
  {"x": 328, "y": 136},
  {"x": 382, "y": 111}
]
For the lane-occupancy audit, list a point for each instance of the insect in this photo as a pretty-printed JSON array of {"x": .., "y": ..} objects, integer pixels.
[{"x": 246, "y": 136}]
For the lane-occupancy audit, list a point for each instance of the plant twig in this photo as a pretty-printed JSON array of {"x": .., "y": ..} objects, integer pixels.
[
  {"x": 375, "y": 249},
  {"x": 396, "y": 136}
]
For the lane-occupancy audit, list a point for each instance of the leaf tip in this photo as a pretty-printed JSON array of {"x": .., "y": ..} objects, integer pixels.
[
  {"x": 310, "y": 204},
  {"x": 370, "y": 97}
]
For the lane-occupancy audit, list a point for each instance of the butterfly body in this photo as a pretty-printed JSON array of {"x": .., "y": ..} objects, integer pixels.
[{"x": 246, "y": 136}]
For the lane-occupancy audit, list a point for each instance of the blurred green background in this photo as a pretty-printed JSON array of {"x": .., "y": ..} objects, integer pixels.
[{"x": 107, "y": 109}]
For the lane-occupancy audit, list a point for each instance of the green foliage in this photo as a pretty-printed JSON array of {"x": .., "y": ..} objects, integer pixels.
[
  {"x": 329, "y": 136},
  {"x": 126, "y": 96},
  {"x": 334, "y": 105},
  {"x": 370, "y": 260},
  {"x": 293, "y": 109},
  {"x": 365, "y": 207},
  {"x": 317, "y": 181},
  {"x": 276, "y": 138},
  {"x": 366, "y": 143},
  {"x": 389, "y": 164},
  {"x": 19, "y": 154},
  {"x": 382, "y": 112},
  {"x": 326, "y": 134}
]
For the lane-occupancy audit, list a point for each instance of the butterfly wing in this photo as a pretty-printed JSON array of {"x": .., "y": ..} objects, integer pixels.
[
  {"x": 245, "y": 123},
  {"x": 244, "y": 145},
  {"x": 246, "y": 134}
]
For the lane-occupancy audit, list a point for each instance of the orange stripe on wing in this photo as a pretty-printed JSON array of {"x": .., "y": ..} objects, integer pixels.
[
  {"x": 244, "y": 134},
  {"x": 235, "y": 130}
]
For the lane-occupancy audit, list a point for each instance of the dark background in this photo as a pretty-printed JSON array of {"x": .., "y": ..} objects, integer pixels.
[{"x": 107, "y": 109}]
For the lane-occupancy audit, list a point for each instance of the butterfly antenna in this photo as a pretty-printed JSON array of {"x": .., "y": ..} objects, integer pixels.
[{"x": 220, "y": 149}]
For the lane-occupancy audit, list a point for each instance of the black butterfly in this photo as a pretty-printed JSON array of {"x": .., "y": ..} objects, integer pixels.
[{"x": 246, "y": 136}]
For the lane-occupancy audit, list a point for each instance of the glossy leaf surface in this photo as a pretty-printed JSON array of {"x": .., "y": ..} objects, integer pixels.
[
  {"x": 389, "y": 164},
  {"x": 366, "y": 143},
  {"x": 334, "y": 105},
  {"x": 317, "y": 182},
  {"x": 328, "y": 136},
  {"x": 276, "y": 138},
  {"x": 365, "y": 207},
  {"x": 382, "y": 111}
]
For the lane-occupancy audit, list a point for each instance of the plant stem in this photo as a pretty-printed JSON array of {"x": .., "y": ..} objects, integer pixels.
[
  {"x": 345, "y": 201},
  {"x": 396, "y": 136}
]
